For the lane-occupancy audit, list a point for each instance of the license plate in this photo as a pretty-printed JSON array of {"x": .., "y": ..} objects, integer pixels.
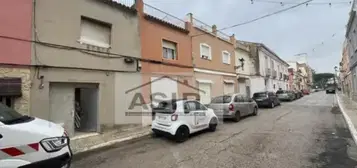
[
  {"x": 259, "y": 99},
  {"x": 161, "y": 117}
]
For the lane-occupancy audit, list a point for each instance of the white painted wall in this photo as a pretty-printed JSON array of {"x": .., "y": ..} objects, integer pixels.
[
  {"x": 256, "y": 85},
  {"x": 248, "y": 65}
]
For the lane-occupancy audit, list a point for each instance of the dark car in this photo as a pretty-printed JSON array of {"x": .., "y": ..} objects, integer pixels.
[
  {"x": 331, "y": 89},
  {"x": 266, "y": 99},
  {"x": 286, "y": 95},
  {"x": 298, "y": 94}
]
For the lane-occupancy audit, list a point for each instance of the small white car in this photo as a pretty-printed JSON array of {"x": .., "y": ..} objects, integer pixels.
[
  {"x": 31, "y": 142},
  {"x": 180, "y": 118}
]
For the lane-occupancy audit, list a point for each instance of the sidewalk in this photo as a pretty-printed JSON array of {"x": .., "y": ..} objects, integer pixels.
[
  {"x": 349, "y": 111},
  {"x": 91, "y": 142}
]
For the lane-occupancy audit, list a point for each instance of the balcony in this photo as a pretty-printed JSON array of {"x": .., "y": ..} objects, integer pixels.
[
  {"x": 274, "y": 74},
  {"x": 267, "y": 72}
]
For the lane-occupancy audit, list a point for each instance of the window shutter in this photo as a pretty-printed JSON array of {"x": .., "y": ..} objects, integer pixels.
[
  {"x": 168, "y": 44},
  {"x": 205, "y": 50},
  {"x": 95, "y": 32}
]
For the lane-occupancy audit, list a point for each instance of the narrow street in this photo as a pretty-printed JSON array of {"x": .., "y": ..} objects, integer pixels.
[{"x": 307, "y": 132}]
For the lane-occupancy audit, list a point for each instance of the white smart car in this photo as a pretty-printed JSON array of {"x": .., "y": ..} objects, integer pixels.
[{"x": 180, "y": 118}]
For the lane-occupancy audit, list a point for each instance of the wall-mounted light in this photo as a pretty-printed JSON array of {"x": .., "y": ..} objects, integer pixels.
[
  {"x": 42, "y": 85},
  {"x": 241, "y": 64}
]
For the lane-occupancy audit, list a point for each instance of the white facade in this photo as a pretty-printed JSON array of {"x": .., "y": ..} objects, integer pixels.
[
  {"x": 244, "y": 72},
  {"x": 270, "y": 64}
]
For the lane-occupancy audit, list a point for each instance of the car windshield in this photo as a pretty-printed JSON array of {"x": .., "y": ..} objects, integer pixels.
[
  {"x": 260, "y": 95},
  {"x": 10, "y": 116},
  {"x": 280, "y": 92},
  {"x": 222, "y": 99},
  {"x": 166, "y": 107}
]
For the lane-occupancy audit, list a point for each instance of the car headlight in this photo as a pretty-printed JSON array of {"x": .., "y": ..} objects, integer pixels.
[{"x": 54, "y": 144}]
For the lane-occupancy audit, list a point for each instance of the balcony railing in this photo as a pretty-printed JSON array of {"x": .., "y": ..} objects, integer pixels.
[
  {"x": 267, "y": 72},
  {"x": 274, "y": 74},
  {"x": 163, "y": 16}
]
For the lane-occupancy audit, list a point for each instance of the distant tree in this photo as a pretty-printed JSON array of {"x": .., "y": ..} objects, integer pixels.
[{"x": 321, "y": 78}]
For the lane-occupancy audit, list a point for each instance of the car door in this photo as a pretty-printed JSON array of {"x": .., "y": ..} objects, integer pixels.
[
  {"x": 194, "y": 112},
  {"x": 272, "y": 97},
  {"x": 240, "y": 105},
  {"x": 250, "y": 105}
]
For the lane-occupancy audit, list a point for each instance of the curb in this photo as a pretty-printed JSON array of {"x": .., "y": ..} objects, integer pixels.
[
  {"x": 109, "y": 145},
  {"x": 350, "y": 125}
]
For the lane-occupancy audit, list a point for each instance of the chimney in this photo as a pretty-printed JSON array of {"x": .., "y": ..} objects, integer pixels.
[
  {"x": 139, "y": 6},
  {"x": 233, "y": 40},
  {"x": 214, "y": 30},
  {"x": 189, "y": 21}
]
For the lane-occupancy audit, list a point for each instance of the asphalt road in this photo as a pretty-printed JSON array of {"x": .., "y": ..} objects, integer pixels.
[{"x": 304, "y": 133}]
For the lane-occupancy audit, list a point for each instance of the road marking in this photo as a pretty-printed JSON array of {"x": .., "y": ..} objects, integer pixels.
[{"x": 348, "y": 120}]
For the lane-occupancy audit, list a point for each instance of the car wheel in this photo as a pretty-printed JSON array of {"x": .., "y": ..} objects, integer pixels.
[
  {"x": 272, "y": 105},
  {"x": 255, "y": 112},
  {"x": 236, "y": 117},
  {"x": 182, "y": 134},
  {"x": 213, "y": 124}
]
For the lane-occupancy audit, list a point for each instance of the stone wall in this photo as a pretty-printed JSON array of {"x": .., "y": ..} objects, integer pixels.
[{"x": 22, "y": 104}]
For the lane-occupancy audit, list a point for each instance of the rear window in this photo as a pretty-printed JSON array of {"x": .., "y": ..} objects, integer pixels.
[
  {"x": 280, "y": 92},
  {"x": 259, "y": 95},
  {"x": 222, "y": 99},
  {"x": 165, "y": 107}
]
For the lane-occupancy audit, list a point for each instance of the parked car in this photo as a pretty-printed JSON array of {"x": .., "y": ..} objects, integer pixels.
[
  {"x": 32, "y": 142},
  {"x": 305, "y": 91},
  {"x": 286, "y": 95},
  {"x": 298, "y": 94},
  {"x": 180, "y": 118},
  {"x": 266, "y": 99},
  {"x": 233, "y": 106}
]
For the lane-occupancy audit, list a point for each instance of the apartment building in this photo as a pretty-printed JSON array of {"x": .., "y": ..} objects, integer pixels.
[
  {"x": 86, "y": 62},
  {"x": 351, "y": 37},
  {"x": 345, "y": 73},
  {"x": 15, "y": 58},
  {"x": 270, "y": 71},
  {"x": 213, "y": 54},
  {"x": 244, "y": 68}
]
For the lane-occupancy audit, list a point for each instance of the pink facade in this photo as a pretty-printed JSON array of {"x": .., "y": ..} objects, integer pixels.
[{"x": 15, "y": 18}]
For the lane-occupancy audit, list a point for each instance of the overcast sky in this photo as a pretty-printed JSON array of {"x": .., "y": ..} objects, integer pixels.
[{"x": 299, "y": 30}]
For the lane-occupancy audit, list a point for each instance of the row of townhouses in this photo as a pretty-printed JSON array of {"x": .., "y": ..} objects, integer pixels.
[
  {"x": 348, "y": 64},
  {"x": 89, "y": 62}
]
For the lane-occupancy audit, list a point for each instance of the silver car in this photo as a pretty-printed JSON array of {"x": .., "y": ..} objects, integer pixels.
[{"x": 233, "y": 106}]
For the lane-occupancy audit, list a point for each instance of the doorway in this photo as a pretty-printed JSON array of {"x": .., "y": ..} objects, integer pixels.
[{"x": 86, "y": 106}]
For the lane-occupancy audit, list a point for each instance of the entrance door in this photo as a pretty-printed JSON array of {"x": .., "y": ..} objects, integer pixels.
[
  {"x": 62, "y": 105},
  {"x": 228, "y": 88},
  {"x": 163, "y": 89},
  {"x": 242, "y": 88},
  {"x": 89, "y": 103},
  {"x": 205, "y": 98}
]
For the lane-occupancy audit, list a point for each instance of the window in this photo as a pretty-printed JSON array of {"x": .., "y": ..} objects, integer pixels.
[
  {"x": 95, "y": 33},
  {"x": 205, "y": 51},
  {"x": 222, "y": 99},
  {"x": 169, "y": 50},
  {"x": 7, "y": 101},
  {"x": 226, "y": 57}
]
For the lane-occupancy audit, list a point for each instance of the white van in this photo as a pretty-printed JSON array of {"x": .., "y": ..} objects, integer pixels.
[{"x": 31, "y": 142}]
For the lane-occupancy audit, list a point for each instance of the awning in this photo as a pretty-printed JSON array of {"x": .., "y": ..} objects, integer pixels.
[
  {"x": 204, "y": 81},
  {"x": 10, "y": 86},
  {"x": 228, "y": 81}
]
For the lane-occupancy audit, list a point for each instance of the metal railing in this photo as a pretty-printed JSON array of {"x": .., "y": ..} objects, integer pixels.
[
  {"x": 128, "y": 3},
  {"x": 159, "y": 14},
  {"x": 223, "y": 36},
  {"x": 203, "y": 26}
]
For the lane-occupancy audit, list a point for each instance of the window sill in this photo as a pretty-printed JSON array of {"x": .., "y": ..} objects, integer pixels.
[
  {"x": 206, "y": 59},
  {"x": 92, "y": 43},
  {"x": 226, "y": 63}
]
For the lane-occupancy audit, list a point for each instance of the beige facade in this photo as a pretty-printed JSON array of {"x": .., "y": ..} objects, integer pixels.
[
  {"x": 20, "y": 104},
  {"x": 86, "y": 65}
]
